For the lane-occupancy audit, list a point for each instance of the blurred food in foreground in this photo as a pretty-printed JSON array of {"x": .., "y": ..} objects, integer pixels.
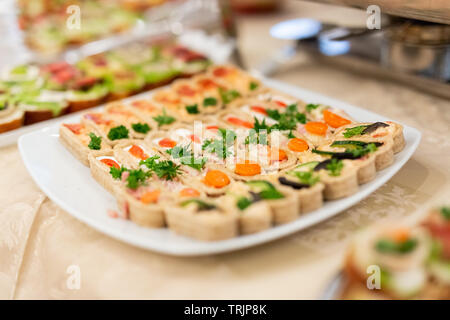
[
  {"x": 256, "y": 6},
  {"x": 32, "y": 93},
  {"x": 44, "y": 21},
  {"x": 414, "y": 261}
]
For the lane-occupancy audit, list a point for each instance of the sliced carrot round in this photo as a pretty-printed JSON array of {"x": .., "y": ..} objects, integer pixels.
[
  {"x": 247, "y": 169},
  {"x": 280, "y": 103},
  {"x": 186, "y": 90},
  {"x": 189, "y": 192},
  {"x": 194, "y": 138},
  {"x": 298, "y": 145},
  {"x": 167, "y": 143},
  {"x": 259, "y": 109},
  {"x": 144, "y": 105},
  {"x": 216, "y": 179},
  {"x": 400, "y": 235},
  {"x": 240, "y": 122},
  {"x": 207, "y": 84},
  {"x": 212, "y": 127},
  {"x": 110, "y": 163},
  {"x": 138, "y": 152},
  {"x": 276, "y": 154},
  {"x": 150, "y": 196},
  {"x": 334, "y": 120},
  {"x": 220, "y": 72},
  {"x": 318, "y": 128},
  {"x": 74, "y": 127},
  {"x": 95, "y": 117}
]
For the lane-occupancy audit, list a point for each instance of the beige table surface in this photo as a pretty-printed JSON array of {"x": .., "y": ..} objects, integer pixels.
[{"x": 39, "y": 241}]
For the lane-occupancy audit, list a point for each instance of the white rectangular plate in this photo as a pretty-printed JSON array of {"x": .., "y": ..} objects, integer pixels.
[{"x": 69, "y": 184}]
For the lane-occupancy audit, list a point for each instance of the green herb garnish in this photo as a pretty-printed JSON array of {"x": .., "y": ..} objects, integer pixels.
[
  {"x": 290, "y": 135},
  {"x": 389, "y": 246},
  {"x": 253, "y": 85},
  {"x": 243, "y": 203},
  {"x": 335, "y": 167},
  {"x": 228, "y": 95},
  {"x": 355, "y": 131},
  {"x": 306, "y": 177},
  {"x": 116, "y": 173},
  {"x": 166, "y": 169},
  {"x": 300, "y": 117},
  {"x": 445, "y": 211},
  {"x": 220, "y": 146},
  {"x": 311, "y": 106},
  {"x": 120, "y": 132},
  {"x": 258, "y": 126},
  {"x": 271, "y": 194},
  {"x": 273, "y": 113},
  {"x": 137, "y": 178},
  {"x": 195, "y": 163},
  {"x": 164, "y": 119},
  {"x": 256, "y": 138},
  {"x": 141, "y": 127},
  {"x": 209, "y": 101},
  {"x": 216, "y": 146},
  {"x": 207, "y": 143},
  {"x": 180, "y": 151},
  {"x": 192, "y": 109},
  {"x": 96, "y": 142}
]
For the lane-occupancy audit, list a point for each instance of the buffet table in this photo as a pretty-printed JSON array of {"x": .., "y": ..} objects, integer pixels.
[{"x": 40, "y": 243}]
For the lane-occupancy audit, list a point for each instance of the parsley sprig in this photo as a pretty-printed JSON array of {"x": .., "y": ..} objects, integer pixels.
[
  {"x": 165, "y": 169},
  {"x": 187, "y": 157},
  {"x": 335, "y": 167},
  {"x": 209, "y": 101},
  {"x": 164, "y": 119},
  {"x": 355, "y": 131},
  {"x": 306, "y": 177},
  {"x": 445, "y": 212},
  {"x": 311, "y": 106},
  {"x": 119, "y": 132},
  {"x": 228, "y": 95},
  {"x": 255, "y": 137},
  {"x": 135, "y": 179},
  {"x": 286, "y": 121},
  {"x": 117, "y": 172},
  {"x": 253, "y": 85},
  {"x": 192, "y": 109},
  {"x": 141, "y": 127},
  {"x": 96, "y": 142},
  {"x": 221, "y": 145}
]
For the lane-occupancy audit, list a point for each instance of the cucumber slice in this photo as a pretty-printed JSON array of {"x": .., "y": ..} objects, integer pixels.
[
  {"x": 265, "y": 189},
  {"x": 308, "y": 165}
]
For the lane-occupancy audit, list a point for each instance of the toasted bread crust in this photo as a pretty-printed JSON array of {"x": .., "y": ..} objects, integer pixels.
[
  {"x": 13, "y": 124},
  {"x": 75, "y": 106}
]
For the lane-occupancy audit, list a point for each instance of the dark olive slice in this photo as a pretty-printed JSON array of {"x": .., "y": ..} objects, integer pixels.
[
  {"x": 374, "y": 126},
  {"x": 292, "y": 184}
]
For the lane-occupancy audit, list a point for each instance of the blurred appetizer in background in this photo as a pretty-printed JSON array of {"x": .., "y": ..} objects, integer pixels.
[
  {"x": 220, "y": 155},
  {"x": 44, "y": 21},
  {"x": 414, "y": 261},
  {"x": 32, "y": 93}
]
